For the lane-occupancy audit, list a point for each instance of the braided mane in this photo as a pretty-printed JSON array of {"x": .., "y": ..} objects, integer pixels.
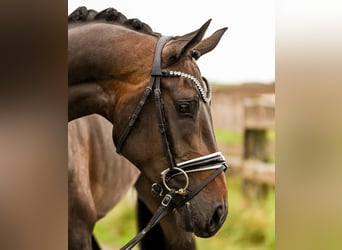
[{"x": 110, "y": 15}]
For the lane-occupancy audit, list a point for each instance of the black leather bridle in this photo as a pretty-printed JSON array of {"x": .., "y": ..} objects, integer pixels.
[{"x": 214, "y": 161}]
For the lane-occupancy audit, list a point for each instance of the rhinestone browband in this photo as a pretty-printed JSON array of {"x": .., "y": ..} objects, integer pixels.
[{"x": 205, "y": 96}]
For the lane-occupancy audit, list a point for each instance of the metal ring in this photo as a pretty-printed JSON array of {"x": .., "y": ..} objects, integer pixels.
[{"x": 181, "y": 191}]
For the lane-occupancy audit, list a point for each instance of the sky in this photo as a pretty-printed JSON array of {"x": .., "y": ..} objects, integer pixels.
[{"x": 246, "y": 52}]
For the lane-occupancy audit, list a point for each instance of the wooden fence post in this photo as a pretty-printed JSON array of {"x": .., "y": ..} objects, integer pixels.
[{"x": 259, "y": 118}]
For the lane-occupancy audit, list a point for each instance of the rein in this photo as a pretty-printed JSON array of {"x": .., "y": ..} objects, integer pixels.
[{"x": 213, "y": 161}]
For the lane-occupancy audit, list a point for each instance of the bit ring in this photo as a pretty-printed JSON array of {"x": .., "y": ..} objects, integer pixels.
[{"x": 181, "y": 191}]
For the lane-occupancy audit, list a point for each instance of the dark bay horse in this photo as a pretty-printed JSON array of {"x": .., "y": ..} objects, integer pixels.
[
  {"x": 95, "y": 186},
  {"x": 112, "y": 71}
]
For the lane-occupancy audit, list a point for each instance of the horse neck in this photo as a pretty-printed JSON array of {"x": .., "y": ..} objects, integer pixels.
[{"x": 105, "y": 61}]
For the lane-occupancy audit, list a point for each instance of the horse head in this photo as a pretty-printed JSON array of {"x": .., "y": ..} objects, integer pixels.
[
  {"x": 170, "y": 137},
  {"x": 186, "y": 107}
]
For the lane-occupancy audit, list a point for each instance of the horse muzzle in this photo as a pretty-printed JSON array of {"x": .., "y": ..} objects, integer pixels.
[{"x": 204, "y": 223}]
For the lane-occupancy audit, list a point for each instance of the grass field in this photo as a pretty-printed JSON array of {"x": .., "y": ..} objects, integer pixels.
[{"x": 228, "y": 136}]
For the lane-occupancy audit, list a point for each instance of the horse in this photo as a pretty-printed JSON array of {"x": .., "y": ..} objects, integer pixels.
[
  {"x": 112, "y": 70},
  {"x": 93, "y": 166}
]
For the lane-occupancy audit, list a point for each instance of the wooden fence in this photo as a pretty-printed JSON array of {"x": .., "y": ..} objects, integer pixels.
[{"x": 251, "y": 110}]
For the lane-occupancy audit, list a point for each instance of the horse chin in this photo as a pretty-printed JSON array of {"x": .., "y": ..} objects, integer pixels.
[
  {"x": 190, "y": 222},
  {"x": 184, "y": 220}
]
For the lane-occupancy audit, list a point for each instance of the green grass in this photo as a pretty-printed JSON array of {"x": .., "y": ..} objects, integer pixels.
[
  {"x": 271, "y": 135},
  {"x": 228, "y": 136},
  {"x": 249, "y": 226},
  {"x": 271, "y": 139},
  {"x": 236, "y": 137},
  {"x": 117, "y": 227}
]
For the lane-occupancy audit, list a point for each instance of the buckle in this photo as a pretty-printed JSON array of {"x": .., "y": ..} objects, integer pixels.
[{"x": 166, "y": 200}]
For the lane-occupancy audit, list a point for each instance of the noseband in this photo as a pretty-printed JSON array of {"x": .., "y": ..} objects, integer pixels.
[{"x": 213, "y": 161}]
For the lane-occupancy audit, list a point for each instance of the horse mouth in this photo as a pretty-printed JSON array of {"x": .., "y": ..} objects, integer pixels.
[{"x": 189, "y": 222}]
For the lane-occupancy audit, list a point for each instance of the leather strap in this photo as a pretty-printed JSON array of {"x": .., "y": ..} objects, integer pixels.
[
  {"x": 162, "y": 124},
  {"x": 156, "y": 71},
  {"x": 167, "y": 206},
  {"x": 163, "y": 210},
  {"x": 133, "y": 118}
]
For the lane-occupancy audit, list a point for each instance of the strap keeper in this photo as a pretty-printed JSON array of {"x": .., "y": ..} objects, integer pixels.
[
  {"x": 156, "y": 71},
  {"x": 166, "y": 200}
]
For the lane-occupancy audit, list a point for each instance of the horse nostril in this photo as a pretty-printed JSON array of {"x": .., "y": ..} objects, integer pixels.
[{"x": 218, "y": 216}]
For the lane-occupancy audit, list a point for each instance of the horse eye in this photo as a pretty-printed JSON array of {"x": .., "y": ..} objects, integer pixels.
[{"x": 184, "y": 107}]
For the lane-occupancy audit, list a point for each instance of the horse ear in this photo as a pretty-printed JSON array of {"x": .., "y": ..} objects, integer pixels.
[
  {"x": 180, "y": 45},
  {"x": 208, "y": 44}
]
